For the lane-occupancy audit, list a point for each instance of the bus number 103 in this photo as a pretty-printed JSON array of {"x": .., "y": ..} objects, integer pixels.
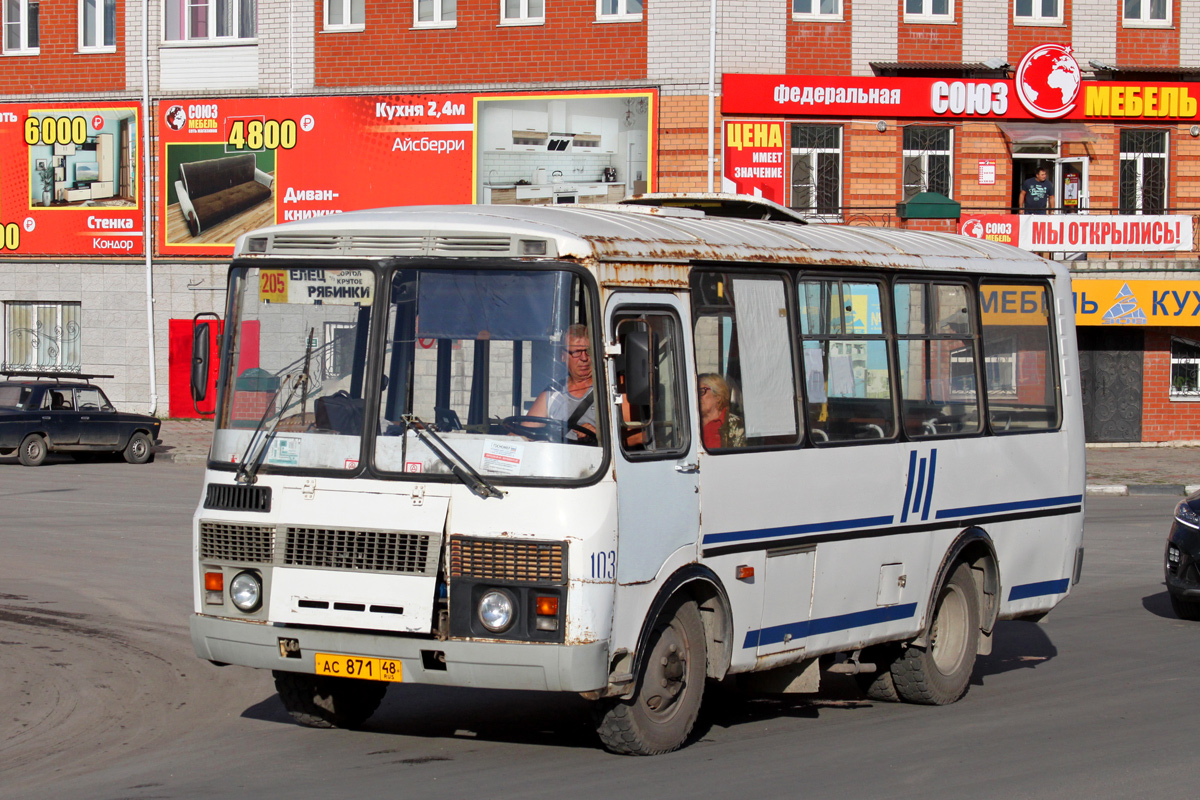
[
  {"x": 255, "y": 134},
  {"x": 604, "y": 565}
]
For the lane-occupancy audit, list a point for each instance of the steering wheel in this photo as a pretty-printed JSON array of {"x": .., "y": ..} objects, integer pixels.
[{"x": 546, "y": 429}]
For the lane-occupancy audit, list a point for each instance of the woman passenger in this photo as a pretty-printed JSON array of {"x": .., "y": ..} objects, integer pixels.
[{"x": 720, "y": 425}]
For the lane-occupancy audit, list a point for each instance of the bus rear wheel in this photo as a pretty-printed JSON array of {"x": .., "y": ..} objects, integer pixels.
[
  {"x": 879, "y": 685},
  {"x": 670, "y": 685},
  {"x": 939, "y": 673},
  {"x": 321, "y": 702}
]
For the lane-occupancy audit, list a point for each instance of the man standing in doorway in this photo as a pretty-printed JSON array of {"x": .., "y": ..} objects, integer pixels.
[{"x": 1037, "y": 193}]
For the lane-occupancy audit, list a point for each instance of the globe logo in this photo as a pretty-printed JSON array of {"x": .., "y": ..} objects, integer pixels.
[
  {"x": 1048, "y": 81},
  {"x": 973, "y": 228}
]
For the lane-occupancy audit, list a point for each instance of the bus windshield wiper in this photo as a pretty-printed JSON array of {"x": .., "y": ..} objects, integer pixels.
[
  {"x": 247, "y": 471},
  {"x": 450, "y": 457}
]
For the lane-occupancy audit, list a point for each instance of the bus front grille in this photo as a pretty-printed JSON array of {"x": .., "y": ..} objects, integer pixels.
[
  {"x": 224, "y": 541},
  {"x": 373, "y": 551},
  {"x": 503, "y": 560}
]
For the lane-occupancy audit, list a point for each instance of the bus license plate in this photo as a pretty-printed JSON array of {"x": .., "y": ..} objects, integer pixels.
[{"x": 368, "y": 669}]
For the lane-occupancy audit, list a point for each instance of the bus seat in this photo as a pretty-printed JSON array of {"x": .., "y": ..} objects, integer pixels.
[{"x": 339, "y": 412}]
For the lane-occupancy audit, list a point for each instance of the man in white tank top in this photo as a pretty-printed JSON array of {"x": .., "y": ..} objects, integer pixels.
[{"x": 561, "y": 401}]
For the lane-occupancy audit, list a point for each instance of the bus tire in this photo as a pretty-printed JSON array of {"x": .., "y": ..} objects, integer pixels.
[
  {"x": 670, "y": 685},
  {"x": 939, "y": 673},
  {"x": 321, "y": 702},
  {"x": 32, "y": 452},
  {"x": 879, "y": 685},
  {"x": 1185, "y": 609}
]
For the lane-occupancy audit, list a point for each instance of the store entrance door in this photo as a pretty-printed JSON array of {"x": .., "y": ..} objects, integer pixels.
[
  {"x": 1110, "y": 374},
  {"x": 1070, "y": 185}
]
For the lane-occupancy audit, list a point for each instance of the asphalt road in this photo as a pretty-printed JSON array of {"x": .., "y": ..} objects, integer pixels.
[{"x": 101, "y": 696}]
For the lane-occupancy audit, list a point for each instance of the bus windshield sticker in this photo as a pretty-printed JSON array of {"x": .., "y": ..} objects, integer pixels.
[{"x": 502, "y": 458}]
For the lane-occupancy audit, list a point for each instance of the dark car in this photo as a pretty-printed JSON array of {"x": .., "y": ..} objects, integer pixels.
[
  {"x": 51, "y": 412},
  {"x": 1183, "y": 559}
]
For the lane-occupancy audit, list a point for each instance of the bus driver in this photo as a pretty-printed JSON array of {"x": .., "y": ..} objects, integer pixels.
[{"x": 573, "y": 402}]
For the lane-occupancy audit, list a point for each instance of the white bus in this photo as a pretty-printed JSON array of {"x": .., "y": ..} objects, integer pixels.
[{"x": 622, "y": 451}]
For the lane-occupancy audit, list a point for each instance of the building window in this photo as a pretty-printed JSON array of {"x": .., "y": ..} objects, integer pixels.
[
  {"x": 1143, "y": 172},
  {"x": 618, "y": 10},
  {"x": 208, "y": 20},
  {"x": 823, "y": 10},
  {"x": 21, "y": 26},
  {"x": 1147, "y": 12},
  {"x": 927, "y": 159},
  {"x": 345, "y": 15},
  {"x": 1037, "y": 11},
  {"x": 1185, "y": 370},
  {"x": 522, "y": 12},
  {"x": 98, "y": 25},
  {"x": 436, "y": 13},
  {"x": 928, "y": 11},
  {"x": 41, "y": 336},
  {"x": 817, "y": 169}
]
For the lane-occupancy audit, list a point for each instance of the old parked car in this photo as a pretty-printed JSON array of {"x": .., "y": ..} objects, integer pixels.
[
  {"x": 44, "y": 412},
  {"x": 1182, "y": 565}
]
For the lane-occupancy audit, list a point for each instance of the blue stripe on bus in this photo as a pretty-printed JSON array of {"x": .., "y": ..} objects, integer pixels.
[
  {"x": 794, "y": 530},
  {"x": 1021, "y": 505},
  {"x": 1038, "y": 589},
  {"x": 814, "y": 627}
]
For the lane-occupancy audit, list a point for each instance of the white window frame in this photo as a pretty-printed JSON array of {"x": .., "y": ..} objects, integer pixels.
[
  {"x": 812, "y": 211},
  {"x": 100, "y": 11},
  {"x": 22, "y": 24},
  {"x": 439, "y": 15},
  {"x": 59, "y": 334},
  {"x": 1140, "y": 157},
  {"x": 924, "y": 156},
  {"x": 189, "y": 38},
  {"x": 622, "y": 14},
  {"x": 1036, "y": 18},
  {"x": 815, "y": 14},
  {"x": 1144, "y": 20},
  {"x": 1189, "y": 395},
  {"x": 523, "y": 16},
  {"x": 348, "y": 23},
  {"x": 926, "y": 15}
]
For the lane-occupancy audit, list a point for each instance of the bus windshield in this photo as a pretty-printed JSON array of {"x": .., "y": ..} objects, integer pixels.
[
  {"x": 487, "y": 368},
  {"x": 298, "y": 346},
  {"x": 498, "y": 363}
]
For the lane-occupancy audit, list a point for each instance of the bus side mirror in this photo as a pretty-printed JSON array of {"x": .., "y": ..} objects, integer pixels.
[
  {"x": 638, "y": 367},
  {"x": 200, "y": 354}
]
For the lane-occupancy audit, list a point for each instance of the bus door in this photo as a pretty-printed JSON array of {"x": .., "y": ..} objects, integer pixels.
[{"x": 658, "y": 501}]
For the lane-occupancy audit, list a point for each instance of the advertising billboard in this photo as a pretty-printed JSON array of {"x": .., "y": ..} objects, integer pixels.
[
  {"x": 230, "y": 165},
  {"x": 70, "y": 178},
  {"x": 753, "y": 159}
]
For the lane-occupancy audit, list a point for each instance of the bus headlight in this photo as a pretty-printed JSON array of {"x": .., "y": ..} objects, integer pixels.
[
  {"x": 497, "y": 611},
  {"x": 245, "y": 590}
]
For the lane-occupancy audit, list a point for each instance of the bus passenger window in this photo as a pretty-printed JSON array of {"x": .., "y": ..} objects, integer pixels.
[
  {"x": 1020, "y": 369},
  {"x": 654, "y": 418},
  {"x": 845, "y": 355},
  {"x": 744, "y": 360},
  {"x": 936, "y": 344}
]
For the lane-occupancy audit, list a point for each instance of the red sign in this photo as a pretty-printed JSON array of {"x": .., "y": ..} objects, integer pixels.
[
  {"x": 753, "y": 159},
  {"x": 231, "y": 165},
  {"x": 1003, "y": 228},
  {"x": 70, "y": 180}
]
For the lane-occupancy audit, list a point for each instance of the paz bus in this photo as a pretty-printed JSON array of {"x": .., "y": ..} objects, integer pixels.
[{"x": 382, "y": 505}]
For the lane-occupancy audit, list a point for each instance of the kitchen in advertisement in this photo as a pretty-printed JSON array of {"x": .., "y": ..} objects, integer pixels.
[{"x": 70, "y": 180}]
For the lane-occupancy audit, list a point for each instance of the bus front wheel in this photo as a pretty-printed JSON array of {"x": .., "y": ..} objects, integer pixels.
[
  {"x": 938, "y": 674},
  {"x": 660, "y": 715},
  {"x": 321, "y": 702}
]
